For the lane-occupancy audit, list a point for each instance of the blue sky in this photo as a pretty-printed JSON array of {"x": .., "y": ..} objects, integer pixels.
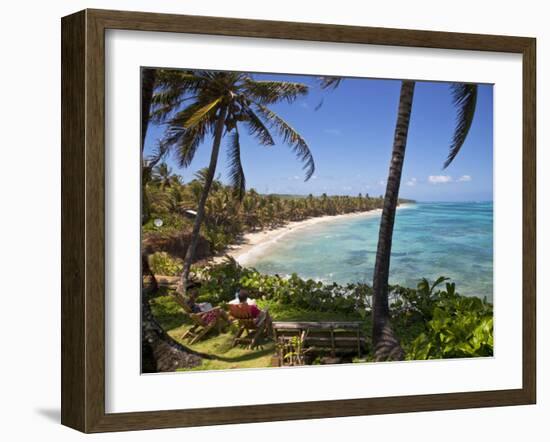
[{"x": 351, "y": 137}]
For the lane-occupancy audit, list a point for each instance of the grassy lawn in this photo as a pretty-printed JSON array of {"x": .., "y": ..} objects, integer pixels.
[{"x": 172, "y": 318}]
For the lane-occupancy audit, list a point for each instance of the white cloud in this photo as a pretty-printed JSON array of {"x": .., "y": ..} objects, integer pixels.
[
  {"x": 314, "y": 177},
  {"x": 382, "y": 182},
  {"x": 411, "y": 182},
  {"x": 346, "y": 187},
  {"x": 439, "y": 179},
  {"x": 465, "y": 178}
]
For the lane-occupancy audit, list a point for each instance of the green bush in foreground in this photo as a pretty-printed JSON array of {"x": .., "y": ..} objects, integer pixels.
[
  {"x": 161, "y": 263},
  {"x": 431, "y": 323},
  {"x": 221, "y": 282},
  {"x": 460, "y": 327}
]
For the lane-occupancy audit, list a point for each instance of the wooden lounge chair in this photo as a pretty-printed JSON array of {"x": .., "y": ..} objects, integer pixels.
[
  {"x": 250, "y": 329},
  {"x": 199, "y": 328}
]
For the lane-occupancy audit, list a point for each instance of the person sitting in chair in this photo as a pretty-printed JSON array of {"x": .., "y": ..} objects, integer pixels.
[
  {"x": 257, "y": 314},
  {"x": 191, "y": 301},
  {"x": 204, "y": 309},
  {"x": 249, "y": 300}
]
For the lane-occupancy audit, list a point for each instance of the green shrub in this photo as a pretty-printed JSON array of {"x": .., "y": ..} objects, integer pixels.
[
  {"x": 171, "y": 223},
  {"x": 217, "y": 238},
  {"x": 221, "y": 282},
  {"x": 431, "y": 323},
  {"x": 456, "y": 327},
  {"x": 162, "y": 263}
]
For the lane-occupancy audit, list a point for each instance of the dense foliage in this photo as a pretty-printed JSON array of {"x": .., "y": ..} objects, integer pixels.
[
  {"x": 161, "y": 263},
  {"x": 221, "y": 282},
  {"x": 432, "y": 323},
  {"x": 226, "y": 216}
]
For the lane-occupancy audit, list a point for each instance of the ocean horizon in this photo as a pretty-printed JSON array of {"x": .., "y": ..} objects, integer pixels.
[{"x": 431, "y": 239}]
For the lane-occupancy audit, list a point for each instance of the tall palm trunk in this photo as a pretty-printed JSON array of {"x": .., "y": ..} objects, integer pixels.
[
  {"x": 159, "y": 352},
  {"x": 386, "y": 344},
  {"x": 148, "y": 78},
  {"x": 191, "y": 248}
]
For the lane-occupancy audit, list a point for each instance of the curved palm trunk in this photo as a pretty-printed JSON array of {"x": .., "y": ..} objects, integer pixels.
[
  {"x": 386, "y": 344},
  {"x": 148, "y": 77},
  {"x": 190, "y": 253},
  {"x": 159, "y": 352}
]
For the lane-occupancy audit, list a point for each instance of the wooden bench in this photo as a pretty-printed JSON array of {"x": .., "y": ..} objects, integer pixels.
[{"x": 334, "y": 336}]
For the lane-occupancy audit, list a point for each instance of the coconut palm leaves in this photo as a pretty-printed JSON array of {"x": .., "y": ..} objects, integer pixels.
[
  {"x": 246, "y": 101},
  {"x": 198, "y": 104},
  {"x": 269, "y": 92},
  {"x": 291, "y": 137},
  {"x": 464, "y": 99}
]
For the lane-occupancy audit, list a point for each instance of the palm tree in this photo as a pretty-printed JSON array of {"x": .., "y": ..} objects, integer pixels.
[
  {"x": 386, "y": 344},
  {"x": 162, "y": 174},
  {"x": 159, "y": 351},
  {"x": 464, "y": 98},
  {"x": 198, "y": 104}
]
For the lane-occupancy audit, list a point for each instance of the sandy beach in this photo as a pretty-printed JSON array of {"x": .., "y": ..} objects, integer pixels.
[{"x": 254, "y": 243}]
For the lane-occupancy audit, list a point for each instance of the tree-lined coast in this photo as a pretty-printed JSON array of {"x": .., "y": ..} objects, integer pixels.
[{"x": 188, "y": 220}]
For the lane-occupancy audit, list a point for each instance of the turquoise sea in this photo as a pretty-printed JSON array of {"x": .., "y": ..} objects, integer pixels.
[{"x": 430, "y": 240}]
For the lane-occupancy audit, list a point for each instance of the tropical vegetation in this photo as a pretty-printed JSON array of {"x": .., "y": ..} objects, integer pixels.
[
  {"x": 226, "y": 216},
  {"x": 465, "y": 99},
  {"x": 186, "y": 221},
  {"x": 199, "y": 104},
  {"x": 432, "y": 320}
]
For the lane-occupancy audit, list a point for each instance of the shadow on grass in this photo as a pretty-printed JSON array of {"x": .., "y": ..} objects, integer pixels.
[{"x": 168, "y": 312}]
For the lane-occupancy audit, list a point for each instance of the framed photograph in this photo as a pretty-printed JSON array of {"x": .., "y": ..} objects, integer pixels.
[{"x": 266, "y": 221}]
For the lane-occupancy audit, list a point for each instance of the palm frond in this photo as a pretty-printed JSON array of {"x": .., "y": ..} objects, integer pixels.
[
  {"x": 159, "y": 152},
  {"x": 164, "y": 106},
  {"x": 319, "y": 105},
  {"x": 201, "y": 113},
  {"x": 257, "y": 128},
  {"x": 173, "y": 87},
  {"x": 188, "y": 128},
  {"x": 186, "y": 141},
  {"x": 330, "y": 82},
  {"x": 180, "y": 80},
  {"x": 236, "y": 172},
  {"x": 179, "y": 119},
  {"x": 267, "y": 92},
  {"x": 290, "y": 137},
  {"x": 464, "y": 99},
  {"x": 187, "y": 149}
]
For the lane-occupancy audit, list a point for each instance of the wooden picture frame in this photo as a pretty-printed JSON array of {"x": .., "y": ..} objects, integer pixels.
[{"x": 83, "y": 220}]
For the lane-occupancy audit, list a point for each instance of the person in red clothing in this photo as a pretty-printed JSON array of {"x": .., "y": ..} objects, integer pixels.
[
  {"x": 255, "y": 312},
  {"x": 208, "y": 313}
]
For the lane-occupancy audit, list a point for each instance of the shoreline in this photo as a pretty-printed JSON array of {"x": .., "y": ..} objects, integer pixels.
[{"x": 254, "y": 243}]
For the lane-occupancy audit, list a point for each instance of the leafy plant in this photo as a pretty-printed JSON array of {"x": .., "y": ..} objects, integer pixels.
[
  {"x": 459, "y": 327},
  {"x": 220, "y": 283},
  {"x": 430, "y": 322},
  {"x": 161, "y": 263},
  {"x": 292, "y": 351}
]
